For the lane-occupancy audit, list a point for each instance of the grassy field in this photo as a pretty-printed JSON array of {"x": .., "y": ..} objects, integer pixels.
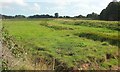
[{"x": 63, "y": 43}]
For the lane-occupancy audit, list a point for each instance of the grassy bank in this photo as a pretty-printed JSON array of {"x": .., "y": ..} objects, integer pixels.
[{"x": 66, "y": 44}]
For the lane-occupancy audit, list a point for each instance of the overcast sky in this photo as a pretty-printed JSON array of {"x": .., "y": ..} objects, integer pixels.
[{"x": 63, "y": 7}]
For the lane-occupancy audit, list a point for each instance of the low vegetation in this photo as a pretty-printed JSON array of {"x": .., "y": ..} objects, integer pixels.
[{"x": 62, "y": 44}]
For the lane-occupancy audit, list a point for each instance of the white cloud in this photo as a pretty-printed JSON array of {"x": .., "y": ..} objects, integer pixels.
[
  {"x": 20, "y": 2},
  {"x": 66, "y": 7},
  {"x": 35, "y": 8},
  {"x": 61, "y": 2},
  {"x": 9, "y": 2},
  {"x": 19, "y": 5}
]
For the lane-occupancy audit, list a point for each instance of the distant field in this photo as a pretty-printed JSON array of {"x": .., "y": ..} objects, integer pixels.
[{"x": 63, "y": 43}]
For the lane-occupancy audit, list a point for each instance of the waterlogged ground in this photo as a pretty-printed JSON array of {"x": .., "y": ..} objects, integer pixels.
[{"x": 80, "y": 44}]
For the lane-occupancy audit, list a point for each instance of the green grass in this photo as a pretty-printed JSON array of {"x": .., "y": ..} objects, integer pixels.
[{"x": 61, "y": 40}]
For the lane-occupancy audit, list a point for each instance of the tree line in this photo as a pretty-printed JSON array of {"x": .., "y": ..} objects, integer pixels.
[
  {"x": 48, "y": 16},
  {"x": 111, "y": 12}
]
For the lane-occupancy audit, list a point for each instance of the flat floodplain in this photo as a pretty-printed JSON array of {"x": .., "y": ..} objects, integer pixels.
[{"x": 82, "y": 44}]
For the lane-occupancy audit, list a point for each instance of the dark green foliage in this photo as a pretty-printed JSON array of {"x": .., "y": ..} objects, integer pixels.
[
  {"x": 20, "y": 16},
  {"x": 56, "y": 15},
  {"x": 67, "y": 17},
  {"x": 111, "y": 12},
  {"x": 92, "y": 16},
  {"x": 103, "y": 15},
  {"x": 4, "y": 65},
  {"x": 0, "y": 16},
  {"x": 7, "y": 17},
  {"x": 96, "y": 37},
  {"x": 79, "y": 16},
  {"x": 41, "y": 16}
]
